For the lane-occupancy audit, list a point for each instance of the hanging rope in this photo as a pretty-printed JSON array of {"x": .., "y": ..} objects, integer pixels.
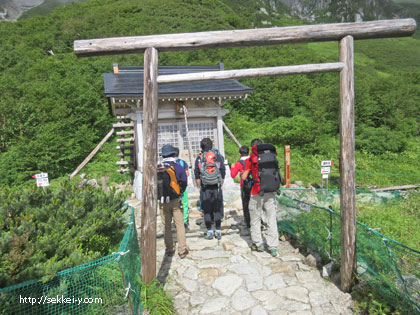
[{"x": 188, "y": 139}]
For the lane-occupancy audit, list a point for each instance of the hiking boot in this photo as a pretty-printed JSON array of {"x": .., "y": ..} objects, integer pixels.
[
  {"x": 256, "y": 248},
  {"x": 184, "y": 254},
  {"x": 273, "y": 252},
  {"x": 208, "y": 236},
  {"x": 218, "y": 235}
]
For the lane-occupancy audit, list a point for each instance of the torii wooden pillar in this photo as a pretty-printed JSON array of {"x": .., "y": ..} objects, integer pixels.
[{"x": 344, "y": 33}]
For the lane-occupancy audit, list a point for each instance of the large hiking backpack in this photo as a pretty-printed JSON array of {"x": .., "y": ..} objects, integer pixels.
[
  {"x": 210, "y": 169},
  {"x": 167, "y": 184},
  {"x": 268, "y": 168},
  {"x": 247, "y": 183}
]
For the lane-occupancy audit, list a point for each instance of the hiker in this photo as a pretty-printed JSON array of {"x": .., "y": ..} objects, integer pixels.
[
  {"x": 263, "y": 166},
  {"x": 185, "y": 194},
  {"x": 209, "y": 173},
  {"x": 172, "y": 181},
  {"x": 239, "y": 167}
]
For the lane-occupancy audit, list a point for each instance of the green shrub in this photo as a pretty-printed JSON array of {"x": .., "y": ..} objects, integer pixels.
[
  {"x": 155, "y": 300},
  {"x": 380, "y": 140},
  {"x": 43, "y": 232},
  {"x": 296, "y": 131}
]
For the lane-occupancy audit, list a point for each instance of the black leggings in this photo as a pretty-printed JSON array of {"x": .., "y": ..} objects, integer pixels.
[
  {"x": 245, "y": 196},
  {"x": 212, "y": 201}
]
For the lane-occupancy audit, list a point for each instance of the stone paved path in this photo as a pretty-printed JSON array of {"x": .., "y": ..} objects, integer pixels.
[{"x": 225, "y": 277}]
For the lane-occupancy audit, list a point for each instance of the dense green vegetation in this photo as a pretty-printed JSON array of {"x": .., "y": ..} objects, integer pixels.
[
  {"x": 45, "y": 232},
  {"x": 53, "y": 111},
  {"x": 397, "y": 218}
]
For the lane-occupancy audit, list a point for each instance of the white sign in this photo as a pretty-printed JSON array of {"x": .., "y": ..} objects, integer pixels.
[
  {"x": 324, "y": 176},
  {"x": 325, "y": 170},
  {"x": 40, "y": 182},
  {"x": 40, "y": 175},
  {"x": 41, "y": 179},
  {"x": 327, "y": 163}
]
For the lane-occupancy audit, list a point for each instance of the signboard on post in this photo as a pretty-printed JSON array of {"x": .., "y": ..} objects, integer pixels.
[
  {"x": 41, "y": 179},
  {"x": 325, "y": 170},
  {"x": 327, "y": 163}
]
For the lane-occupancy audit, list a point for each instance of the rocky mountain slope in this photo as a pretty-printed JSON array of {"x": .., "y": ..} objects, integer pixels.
[
  {"x": 11, "y": 10},
  {"x": 339, "y": 10}
]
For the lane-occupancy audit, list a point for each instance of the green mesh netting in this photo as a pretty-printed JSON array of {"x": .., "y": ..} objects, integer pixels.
[
  {"x": 389, "y": 267},
  {"x": 108, "y": 285}
]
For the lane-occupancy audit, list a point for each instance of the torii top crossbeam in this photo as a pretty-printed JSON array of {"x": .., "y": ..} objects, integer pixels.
[{"x": 248, "y": 37}]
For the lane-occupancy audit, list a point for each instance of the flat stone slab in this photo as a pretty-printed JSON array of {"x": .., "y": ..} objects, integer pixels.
[
  {"x": 228, "y": 284},
  {"x": 274, "y": 282},
  {"x": 242, "y": 300},
  {"x": 295, "y": 293},
  {"x": 214, "y": 305},
  {"x": 214, "y": 263},
  {"x": 208, "y": 254}
]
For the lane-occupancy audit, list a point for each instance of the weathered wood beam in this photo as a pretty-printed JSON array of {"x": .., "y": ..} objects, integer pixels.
[
  {"x": 92, "y": 154},
  {"x": 123, "y": 125},
  {"x": 149, "y": 202},
  {"x": 248, "y": 37},
  {"x": 123, "y": 140},
  {"x": 252, "y": 73},
  {"x": 347, "y": 165},
  {"x": 231, "y": 134},
  {"x": 124, "y": 147},
  {"x": 404, "y": 187},
  {"x": 123, "y": 133}
]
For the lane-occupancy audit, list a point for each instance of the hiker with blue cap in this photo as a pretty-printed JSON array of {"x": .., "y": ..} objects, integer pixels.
[{"x": 172, "y": 182}]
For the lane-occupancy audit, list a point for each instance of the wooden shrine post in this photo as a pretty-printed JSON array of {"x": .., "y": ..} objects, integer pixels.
[
  {"x": 347, "y": 165},
  {"x": 345, "y": 33},
  {"x": 150, "y": 130}
]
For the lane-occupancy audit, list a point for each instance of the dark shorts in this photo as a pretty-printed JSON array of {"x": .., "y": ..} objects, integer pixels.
[{"x": 211, "y": 198}]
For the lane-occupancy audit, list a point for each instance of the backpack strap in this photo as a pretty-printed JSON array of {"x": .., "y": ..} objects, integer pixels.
[{"x": 180, "y": 162}]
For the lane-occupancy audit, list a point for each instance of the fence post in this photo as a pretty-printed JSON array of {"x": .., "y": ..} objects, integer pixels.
[{"x": 287, "y": 166}]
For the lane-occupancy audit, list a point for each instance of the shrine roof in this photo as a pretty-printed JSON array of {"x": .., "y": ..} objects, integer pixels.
[{"x": 129, "y": 81}]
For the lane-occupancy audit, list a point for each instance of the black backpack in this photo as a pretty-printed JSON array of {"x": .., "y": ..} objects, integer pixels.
[
  {"x": 268, "y": 168},
  {"x": 167, "y": 184},
  {"x": 248, "y": 181}
]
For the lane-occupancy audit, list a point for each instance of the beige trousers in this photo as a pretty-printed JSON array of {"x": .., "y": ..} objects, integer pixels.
[
  {"x": 258, "y": 204},
  {"x": 173, "y": 210}
]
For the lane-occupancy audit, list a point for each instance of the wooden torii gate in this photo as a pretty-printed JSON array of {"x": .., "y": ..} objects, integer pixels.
[{"x": 344, "y": 33}]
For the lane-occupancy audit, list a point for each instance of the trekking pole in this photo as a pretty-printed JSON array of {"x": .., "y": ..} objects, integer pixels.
[{"x": 189, "y": 142}]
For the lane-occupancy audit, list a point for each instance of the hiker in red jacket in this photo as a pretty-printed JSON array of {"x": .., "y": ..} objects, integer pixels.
[
  {"x": 239, "y": 167},
  {"x": 266, "y": 180}
]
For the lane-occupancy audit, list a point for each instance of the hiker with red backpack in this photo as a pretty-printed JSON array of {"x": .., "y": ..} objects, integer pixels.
[
  {"x": 239, "y": 167},
  {"x": 171, "y": 183},
  {"x": 209, "y": 173},
  {"x": 264, "y": 167}
]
